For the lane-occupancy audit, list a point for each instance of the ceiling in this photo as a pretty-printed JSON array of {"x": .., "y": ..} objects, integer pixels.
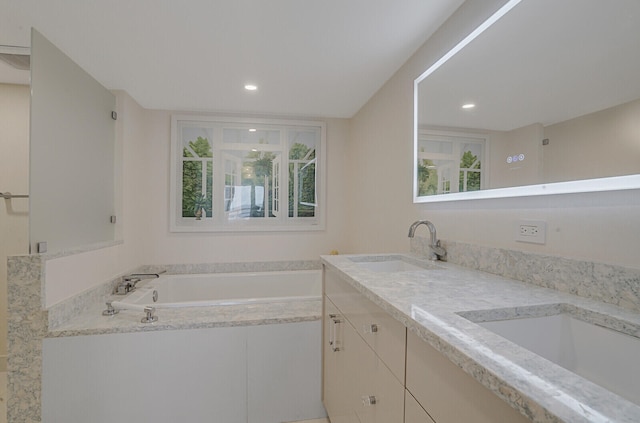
[
  {"x": 322, "y": 58},
  {"x": 543, "y": 62}
]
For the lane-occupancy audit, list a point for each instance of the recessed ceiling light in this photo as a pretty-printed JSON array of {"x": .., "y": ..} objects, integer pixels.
[
  {"x": 468, "y": 106},
  {"x": 252, "y": 130},
  {"x": 250, "y": 87}
]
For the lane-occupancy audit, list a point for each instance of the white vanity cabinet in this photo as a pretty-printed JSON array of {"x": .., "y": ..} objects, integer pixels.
[
  {"x": 413, "y": 411},
  {"x": 449, "y": 394},
  {"x": 366, "y": 355},
  {"x": 359, "y": 386}
]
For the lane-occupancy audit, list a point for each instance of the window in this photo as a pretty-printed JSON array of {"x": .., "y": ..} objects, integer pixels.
[
  {"x": 233, "y": 174},
  {"x": 449, "y": 163}
]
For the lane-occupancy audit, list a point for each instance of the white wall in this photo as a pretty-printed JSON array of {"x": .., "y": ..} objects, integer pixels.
[
  {"x": 602, "y": 227},
  {"x": 14, "y": 178},
  {"x": 150, "y": 179},
  {"x": 575, "y": 146},
  {"x": 527, "y": 141}
]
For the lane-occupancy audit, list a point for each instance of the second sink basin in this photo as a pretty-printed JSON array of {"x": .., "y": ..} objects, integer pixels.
[{"x": 597, "y": 353}]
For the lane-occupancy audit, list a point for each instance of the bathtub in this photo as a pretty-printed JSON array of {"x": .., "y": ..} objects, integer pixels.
[{"x": 218, "y": 289}]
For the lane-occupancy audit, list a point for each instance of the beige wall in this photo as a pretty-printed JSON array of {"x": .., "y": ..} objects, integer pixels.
[
  {"x": 527, "y": 141},
  {"x": 599, "y": 226},
  {"x": 369, "y": 190},
  {"x": 143, "y": 218},
  {"x": 158, "y": 245},
  {"x": 14, "y": 177},
  {"x": 576, "y": 146}
]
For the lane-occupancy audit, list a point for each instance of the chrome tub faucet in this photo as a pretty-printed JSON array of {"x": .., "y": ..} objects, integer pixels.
[
  {"x": 128, "y": 282},
  {"x": 437, "y": 251}
]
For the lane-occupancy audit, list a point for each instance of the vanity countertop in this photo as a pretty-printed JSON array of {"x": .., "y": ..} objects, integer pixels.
[
  {"x": 92, "y": 322},
  {"x": 430, "y": 303}
]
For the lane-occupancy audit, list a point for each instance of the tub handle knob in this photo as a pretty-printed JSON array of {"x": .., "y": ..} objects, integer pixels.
[{"x": 149, "y": 318}]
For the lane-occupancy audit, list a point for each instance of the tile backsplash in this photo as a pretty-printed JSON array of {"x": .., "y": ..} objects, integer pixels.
[{"x": 599, "y": 281}]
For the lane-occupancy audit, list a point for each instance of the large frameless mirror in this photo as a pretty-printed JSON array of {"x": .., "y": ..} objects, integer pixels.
[{"x": 543, "y": 98}]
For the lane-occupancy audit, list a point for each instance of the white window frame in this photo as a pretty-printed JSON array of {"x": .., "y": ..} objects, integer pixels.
[
  {"x": 220, "y": 222},
  {"x": 456, "y": 139}
]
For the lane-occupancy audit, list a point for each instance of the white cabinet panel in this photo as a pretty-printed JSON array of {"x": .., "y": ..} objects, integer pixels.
[
  {"x": 284, "y": 370},
  {"x": 384, "y": 334},
  {"x": 358, "y": 385},
  {"x": 341, "y": 384},
  {"x": 447, "y": 393},
  {"x": 257, "y": 374},
  {"x": 164, "y": 377},
  {"x": 413, "y": 412}
]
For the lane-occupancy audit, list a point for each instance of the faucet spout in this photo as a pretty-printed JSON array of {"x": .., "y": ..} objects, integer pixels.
[
  {"x": 129, "y": 282},
  {"x": 437, "y": 251}
]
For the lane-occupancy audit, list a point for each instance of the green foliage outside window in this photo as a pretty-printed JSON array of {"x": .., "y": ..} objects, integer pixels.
[
  {"x": 427, "y": 177},
  {"x": 299, "y": 151},
  {"x": 470, "y": 161},
  {"x": 260, "y": 165},
  {"x": 192, "y": 177}
]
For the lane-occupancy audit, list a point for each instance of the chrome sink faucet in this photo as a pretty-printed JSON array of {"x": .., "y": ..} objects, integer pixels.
[
  {"x": 128, "y": 282},
  {"x": 437, "y": 251}
]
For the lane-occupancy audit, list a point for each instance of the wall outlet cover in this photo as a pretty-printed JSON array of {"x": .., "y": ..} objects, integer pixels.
[{"x": 531, "y": 231}]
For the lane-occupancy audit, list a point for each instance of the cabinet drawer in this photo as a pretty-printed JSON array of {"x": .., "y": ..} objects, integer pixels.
[
  {"x": 357, "y": 386},
  {"x": 447, "y": 393},
  {"x": 413, "y": 412},
  {"x": 384, "y": 334}
]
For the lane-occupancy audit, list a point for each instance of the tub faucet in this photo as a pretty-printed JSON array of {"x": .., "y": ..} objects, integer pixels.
[
  {"x": 437, "y": 251},
  {"x": 128, "y": 282}
]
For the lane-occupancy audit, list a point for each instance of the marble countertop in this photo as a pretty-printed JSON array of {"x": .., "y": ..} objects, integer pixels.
[
  {"x": 431, "y": 304},
  {"x": 92, "y": 322}
]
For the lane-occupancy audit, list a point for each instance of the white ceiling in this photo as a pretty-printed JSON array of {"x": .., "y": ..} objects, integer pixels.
[
  {"x": 308, "y": 57},
  {"x": 543, "y": 62}
]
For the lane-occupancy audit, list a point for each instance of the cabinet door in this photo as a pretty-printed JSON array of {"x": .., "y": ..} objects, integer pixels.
[
  {"x": 384, "y": 389},
  {"x": 358, "y": 386},
  {"x": 338, "y": 374},
  {"x": 413, "y": 412},
  {"x": 449, "y": 394},
  {"x": 385, "y": 335}
]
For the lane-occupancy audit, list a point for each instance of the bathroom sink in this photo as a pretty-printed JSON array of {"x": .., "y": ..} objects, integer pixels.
[
  {"x": 392, "y": 263},
  {"x": 578, "y": 340}
]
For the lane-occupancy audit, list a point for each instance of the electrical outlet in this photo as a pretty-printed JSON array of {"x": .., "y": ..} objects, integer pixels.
[{"x": 533, "y": 231}]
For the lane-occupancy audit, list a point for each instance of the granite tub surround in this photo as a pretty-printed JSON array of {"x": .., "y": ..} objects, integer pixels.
[
  {"x": 235, "y": 267},
  {"x": 30, "y": 321},
  {"x": 92, "y": 322},
  {"x": 85, "y": 304},
  {"x": 27, "y": 326},
  {"x": 608, "y": 283},
  {"x": 437, "y": 303}
]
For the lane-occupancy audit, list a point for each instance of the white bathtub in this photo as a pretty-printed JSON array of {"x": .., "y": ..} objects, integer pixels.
[{"x": 211, "y": 289}]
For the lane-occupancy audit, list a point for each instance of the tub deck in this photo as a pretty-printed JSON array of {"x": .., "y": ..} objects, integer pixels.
[{"x": 92, "y": 322}]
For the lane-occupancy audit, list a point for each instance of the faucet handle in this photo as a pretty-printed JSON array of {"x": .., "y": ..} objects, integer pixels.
[
  {"x": 110, "y": 311},
  {"x": 149, "y": 318}
]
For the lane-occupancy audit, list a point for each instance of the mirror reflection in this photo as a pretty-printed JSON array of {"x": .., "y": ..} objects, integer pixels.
[{"x": 549, "y": 93}]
